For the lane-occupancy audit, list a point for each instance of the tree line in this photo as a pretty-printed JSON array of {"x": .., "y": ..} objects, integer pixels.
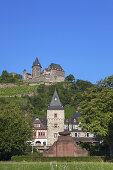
[{"x": 10, "y": 77}]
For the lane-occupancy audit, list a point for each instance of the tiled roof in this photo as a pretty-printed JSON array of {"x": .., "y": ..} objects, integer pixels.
[
  {"x": 28, "y": 74},
  {"x": 55, "y": 103},
  {"x": 55, "y": 67},
  {"x": 41, "y": 121},
  {"x": 36, "y": 63}
]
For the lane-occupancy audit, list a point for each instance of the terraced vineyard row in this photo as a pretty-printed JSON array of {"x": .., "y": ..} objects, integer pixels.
[{"x": 11, "y": 91}]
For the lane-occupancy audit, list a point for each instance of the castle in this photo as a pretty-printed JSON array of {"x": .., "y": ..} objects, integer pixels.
[{"x": 54, "y": 73}]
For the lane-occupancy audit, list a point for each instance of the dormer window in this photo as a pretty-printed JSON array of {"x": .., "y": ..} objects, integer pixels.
[{"x": 74, "y": 120}]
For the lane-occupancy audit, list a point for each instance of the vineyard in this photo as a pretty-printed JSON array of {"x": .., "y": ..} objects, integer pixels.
[{"x": 12, "y": 91}]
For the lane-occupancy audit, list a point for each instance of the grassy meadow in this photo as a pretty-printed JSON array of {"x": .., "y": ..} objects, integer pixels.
[{"x": 56, "y": 166}]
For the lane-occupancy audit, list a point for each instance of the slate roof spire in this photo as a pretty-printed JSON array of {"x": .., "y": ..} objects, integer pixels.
[
  {"x": 36, "y": 63},
  {"x": 55, "y": 103}
]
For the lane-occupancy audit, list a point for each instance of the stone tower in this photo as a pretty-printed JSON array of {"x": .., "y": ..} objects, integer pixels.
[
  {"x": 55, "y": 119},
  {"x": 24, "y": 73},
  {"x": 36, "y": 69}
]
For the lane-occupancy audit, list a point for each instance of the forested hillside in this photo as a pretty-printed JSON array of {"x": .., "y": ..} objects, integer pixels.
[{"x": 70, "y": 94}]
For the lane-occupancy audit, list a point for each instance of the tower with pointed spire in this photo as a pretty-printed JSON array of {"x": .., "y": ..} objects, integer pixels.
[
  {"x": 55, "y": 119},
  {"x": 36, "y": 69}
]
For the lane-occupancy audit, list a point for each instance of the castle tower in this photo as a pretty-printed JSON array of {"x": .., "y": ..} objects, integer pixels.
[
  {"x": 55, "y": 119},
  {"x": 36, "y": 69},
  {"x": 24, "y": 74}
]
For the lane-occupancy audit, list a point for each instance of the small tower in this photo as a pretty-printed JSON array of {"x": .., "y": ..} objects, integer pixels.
[
  {"x": 36, "y": 69},
  {"x": 24, "y": 74},
  {"x": 55, "y": 119}
]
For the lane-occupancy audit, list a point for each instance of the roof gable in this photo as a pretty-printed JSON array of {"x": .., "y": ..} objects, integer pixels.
[{"x": 55, "y": 103}]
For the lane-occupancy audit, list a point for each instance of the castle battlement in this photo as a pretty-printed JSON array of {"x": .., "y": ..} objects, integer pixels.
[{"x": 54, "y": 73}]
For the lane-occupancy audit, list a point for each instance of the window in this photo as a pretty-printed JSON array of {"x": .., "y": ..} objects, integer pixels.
[
  {"x": 79, "y": 128},
  {"x": 75, "y": 134},
  {"x": 44, "y": 143},
  {"x": 78, "y": 134},
  {"x": 87, "y": 134},
  {"x": 74, "y": 120},
  {"x": 55, "y": 125},
  {"x": 34, "y": 133},
  {"x": 38, "y": 133},
  {"x": 75, "y": 127},
  {"x": 55, "y": 135},
  {"x": 43, "y": 133},
  {"x": 36, "y": 125},
  {"x": 65, "y": 126},
  {"x": 38, "y": 143},
  {"x": 55, "y": 115},
  {"x": 70, "y": 127}
]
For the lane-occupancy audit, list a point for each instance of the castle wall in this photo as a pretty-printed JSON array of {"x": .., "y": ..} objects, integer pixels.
[
  {"x": 57, "y": 73},
  {"x": 55, "y": 125},
  {"x": 47, "y": 78}
]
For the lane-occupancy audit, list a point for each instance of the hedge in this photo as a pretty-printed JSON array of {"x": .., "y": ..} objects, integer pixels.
[{"x": 31, "y": 157}]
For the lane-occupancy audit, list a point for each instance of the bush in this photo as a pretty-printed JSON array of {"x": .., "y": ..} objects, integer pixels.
[{"x": 37, "y": 157}]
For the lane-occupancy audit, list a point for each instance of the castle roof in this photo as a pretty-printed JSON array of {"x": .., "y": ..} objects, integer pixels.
[
  {"x": 55, "y": 103},
  {"x": 55, "y": 67},
  {"x": 36, "y": 63}
]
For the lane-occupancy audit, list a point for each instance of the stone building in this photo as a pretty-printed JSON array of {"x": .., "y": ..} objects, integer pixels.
[
  {"x": 40, "y": 131},
  {"x": 54, "y": 73},
  {"x": 55, "y": 119},
  {"x": 46, "y": 130}
]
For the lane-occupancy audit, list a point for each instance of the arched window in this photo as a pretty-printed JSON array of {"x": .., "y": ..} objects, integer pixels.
[
  {"x": 44, "y": 143},
  {"x": 38, "y": 143}
]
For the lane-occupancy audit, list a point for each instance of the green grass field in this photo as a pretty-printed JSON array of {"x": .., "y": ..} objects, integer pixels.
[
  {"x": 10, "y": 91},
  {"x": 55, "y": 166}
]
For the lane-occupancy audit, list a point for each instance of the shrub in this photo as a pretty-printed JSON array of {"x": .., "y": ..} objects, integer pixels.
[{"x": 37, "y": 157}]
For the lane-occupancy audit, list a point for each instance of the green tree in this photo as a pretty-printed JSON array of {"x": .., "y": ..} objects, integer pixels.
[
  {"x": 70, "y": 78},
  {"x": 9, "y": 78},
  {"x": 107, "y": 82},
  {"x": 97, "y": 113},
  {"x": 15, "y": 129},
  {"x": 83, "y": 85}
]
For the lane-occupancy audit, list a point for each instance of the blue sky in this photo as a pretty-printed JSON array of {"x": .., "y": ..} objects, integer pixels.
[{"x": 77, "y": 34}]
